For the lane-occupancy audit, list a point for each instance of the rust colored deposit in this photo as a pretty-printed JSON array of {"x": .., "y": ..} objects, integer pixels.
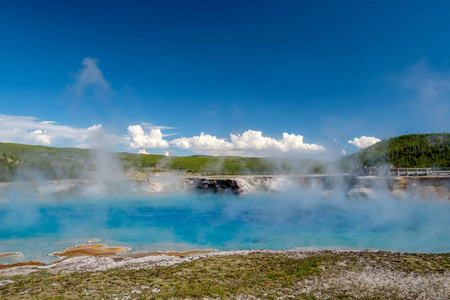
[
  {"x": 169, "y": 253},
  {"x": 7, "y": 254},
  {"x": 91, "y": 250},
  {"x": 21, "y": 264}
]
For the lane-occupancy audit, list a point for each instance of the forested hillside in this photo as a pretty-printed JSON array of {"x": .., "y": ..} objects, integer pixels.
[{"x": 413, "y": 150}]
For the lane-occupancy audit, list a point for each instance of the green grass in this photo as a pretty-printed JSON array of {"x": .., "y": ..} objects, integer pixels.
[
  {"x": 224, "y": 165},
  {"x": 27, "y": 161},
  {"x": 212, "y": 277},
  {"x": 19, "y": 161},
  {"x": 261, "y": 275}
]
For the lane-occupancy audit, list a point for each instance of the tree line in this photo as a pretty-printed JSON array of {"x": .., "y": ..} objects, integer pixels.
[{"x": 407, "y": 151}]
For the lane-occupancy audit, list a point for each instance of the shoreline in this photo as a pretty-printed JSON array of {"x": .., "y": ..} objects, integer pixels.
[
  {"x": 351, "y": 185},
  {"x": 137, "y": 260},
  {"x": 247, "y": 274}
]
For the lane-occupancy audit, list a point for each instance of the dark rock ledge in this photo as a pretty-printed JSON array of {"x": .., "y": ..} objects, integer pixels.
[{"x": 217, "y": 186}]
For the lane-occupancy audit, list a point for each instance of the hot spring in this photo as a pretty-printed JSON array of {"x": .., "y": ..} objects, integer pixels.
[{"x": 310, "y": 219}]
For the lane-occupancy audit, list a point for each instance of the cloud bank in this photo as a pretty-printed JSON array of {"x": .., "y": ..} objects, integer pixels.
[
  {"x": 204, "y": 142},
  {"x": 364, "y": 141},
  {"x": 29, "y": 130},
  {"x": 250, "y": 142}
]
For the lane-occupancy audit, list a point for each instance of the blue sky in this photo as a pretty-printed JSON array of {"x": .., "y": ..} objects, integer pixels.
[{"x": 157, "y": 74}]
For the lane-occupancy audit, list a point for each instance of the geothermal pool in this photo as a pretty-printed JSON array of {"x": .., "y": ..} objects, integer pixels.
[{"x": 183, "y": 221}]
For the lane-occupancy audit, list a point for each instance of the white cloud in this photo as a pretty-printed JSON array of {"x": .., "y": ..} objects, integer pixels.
[
  {"x": 150, "y": 126},
  {"x": 140, "y": 139},
  {"x": 364, "y": 141},
  {"x": 142, "y": 151},
  {"x": 29, "y": 130},
  {"x": 292, "y": 142},
  {"x": 202, "y": 143},
  {"x": 90, "y": 78},
  {"x": 95, "y": 127},
  {"x": 41, "y": 137},
  {"x": 248, "y": 143},
  {"x": 343, "y": 152},
  {"x": 254, "y": 140}
]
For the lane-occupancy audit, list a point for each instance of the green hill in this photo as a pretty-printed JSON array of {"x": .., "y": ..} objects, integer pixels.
[
  {"x": 19, "y": 161},
  {"x": 220, "y": 165},
  {"x": 408, "y": 151},
  {"x": 28, "y": 162}
]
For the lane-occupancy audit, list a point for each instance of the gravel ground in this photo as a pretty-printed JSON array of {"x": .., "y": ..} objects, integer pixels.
[{"x": 327, "y": 274}]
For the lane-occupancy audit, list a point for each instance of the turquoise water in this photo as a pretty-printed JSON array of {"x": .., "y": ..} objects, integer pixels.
[{"x": 37, "y": 227}]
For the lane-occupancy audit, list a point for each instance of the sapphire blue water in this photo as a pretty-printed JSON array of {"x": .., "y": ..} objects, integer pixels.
[{"x": 187, "y": 221}]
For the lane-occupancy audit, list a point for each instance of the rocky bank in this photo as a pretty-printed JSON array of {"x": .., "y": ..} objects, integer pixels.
[{"x": 436, "y": 187}]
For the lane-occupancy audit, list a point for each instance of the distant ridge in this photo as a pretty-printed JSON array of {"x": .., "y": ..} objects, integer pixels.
[
  {"x": 19, "y": 161},
  {"x": 27, "y": 162},
  {"x": 408, "y": 151}
]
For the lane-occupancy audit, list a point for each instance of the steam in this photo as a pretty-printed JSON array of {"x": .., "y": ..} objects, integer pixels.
[
  {"x": 90, "y": 78},
  {"x": 280, "y": 212},
  {"x": 106, "y": 166}
]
